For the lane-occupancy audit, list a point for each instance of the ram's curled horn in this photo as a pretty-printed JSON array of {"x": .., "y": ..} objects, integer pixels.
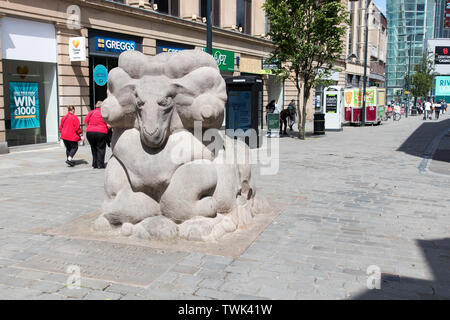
[{"x": 201, "y": 97}]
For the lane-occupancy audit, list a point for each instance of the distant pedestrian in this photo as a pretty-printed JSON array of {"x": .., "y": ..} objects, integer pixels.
[
  {"x": 292, "y": 113},
  {"x": 284, "y": 116},
  {"x": 443, "y": 107},
  {"x": 437, "y": 110},
  {"x": 97, "y": 135},
  {"x": 427, "y": 110},
  {"x": 420, "y": 108},
  {"x": 70, "y": 134},
  {"x": 270, "y": 108},
  {"x": 277, "y": 109}
]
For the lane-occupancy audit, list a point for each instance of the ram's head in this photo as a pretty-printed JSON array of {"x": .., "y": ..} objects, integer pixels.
[{"x": 161, "y": 94}]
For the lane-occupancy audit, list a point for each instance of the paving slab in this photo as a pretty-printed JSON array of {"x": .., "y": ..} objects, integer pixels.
[{"x": 346, "y": 201}]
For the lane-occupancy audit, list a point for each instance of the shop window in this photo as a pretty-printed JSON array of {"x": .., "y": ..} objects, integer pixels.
[
  {"x": 170, "y": 7},
  {"x": 215, "y": 11},
  {"x": 31, "y": 107},
  {"x": 244, "y": 15}
]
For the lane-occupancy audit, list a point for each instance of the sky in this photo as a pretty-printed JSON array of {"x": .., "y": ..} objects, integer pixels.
[{"x": 381, "y": 4}]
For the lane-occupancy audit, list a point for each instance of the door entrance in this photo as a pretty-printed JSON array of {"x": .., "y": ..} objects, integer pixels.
[{"x": 99, "y": 92}]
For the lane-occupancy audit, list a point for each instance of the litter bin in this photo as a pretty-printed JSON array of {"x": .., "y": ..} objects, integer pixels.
[{"x": 319, "y": 123}]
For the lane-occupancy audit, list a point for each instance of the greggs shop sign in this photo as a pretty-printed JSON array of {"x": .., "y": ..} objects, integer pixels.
[
  {"x": 109, "y": 44},
  {"x": 113, "y": 45}
]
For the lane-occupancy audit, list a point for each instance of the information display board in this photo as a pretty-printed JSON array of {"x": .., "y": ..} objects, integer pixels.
[
  {"x": 240, "y": 110},
  {"x": 331, "y": 103},
  {"x": 244, "y": 114}
]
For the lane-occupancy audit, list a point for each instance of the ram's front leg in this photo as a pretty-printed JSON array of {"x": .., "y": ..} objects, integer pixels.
[
  {"x": 190, "y": 192},
  {"x": 122, "y": 204}
]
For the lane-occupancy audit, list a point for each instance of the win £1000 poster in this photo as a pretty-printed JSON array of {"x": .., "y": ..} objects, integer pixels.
[{"x": 24, "y": 105}]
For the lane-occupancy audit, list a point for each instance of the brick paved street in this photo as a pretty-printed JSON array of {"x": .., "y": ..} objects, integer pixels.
[{"x": 365, "y": 196}]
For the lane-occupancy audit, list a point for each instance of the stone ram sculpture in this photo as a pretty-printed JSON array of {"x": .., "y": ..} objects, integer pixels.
[{"x": 163, "y": 181}]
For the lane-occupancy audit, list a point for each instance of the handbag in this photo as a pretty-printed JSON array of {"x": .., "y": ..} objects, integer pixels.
[{"x": 108, "y": 137}]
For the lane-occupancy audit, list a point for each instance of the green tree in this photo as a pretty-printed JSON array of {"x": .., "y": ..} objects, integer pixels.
[
  {"x": 422, "y": 79},
  {"x": 308, "y": 37}
]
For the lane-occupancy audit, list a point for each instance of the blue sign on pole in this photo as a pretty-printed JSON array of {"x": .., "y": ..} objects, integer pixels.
[
  {"x": 100, "y": 75},
  {"x": 24, "y": 105}
]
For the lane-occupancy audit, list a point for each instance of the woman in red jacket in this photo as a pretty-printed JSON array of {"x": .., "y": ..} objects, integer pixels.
[
  {"x": 70, "y": 133},
  {"x": 97, "y": 133}
]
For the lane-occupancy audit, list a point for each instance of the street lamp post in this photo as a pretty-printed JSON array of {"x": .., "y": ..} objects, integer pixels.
[
  {"x": 407, "y": 84},
  {"x": 208, "y": 27},
  {"x": 366, "y": 49}
]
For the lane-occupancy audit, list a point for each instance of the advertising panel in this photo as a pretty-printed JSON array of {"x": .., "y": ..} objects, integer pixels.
[
  {"x": 447, "y": 15},
  {"x": 348, "y": 98},
  {"x": 442, "y": 55},
  {"x": 442, "y": 86},
  {"x": 24, "y": 105},
  {"x": 331, "y": 102}
]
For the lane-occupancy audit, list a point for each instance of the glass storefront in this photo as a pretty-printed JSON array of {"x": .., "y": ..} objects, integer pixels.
[{"x": 29, "y": 81}]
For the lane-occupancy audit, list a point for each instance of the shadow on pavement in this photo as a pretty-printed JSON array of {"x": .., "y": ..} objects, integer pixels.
[
  {"x": 419, "y": 141},
  {"x": 78, "y": 162},
  {"x": 437, "y": 254}
]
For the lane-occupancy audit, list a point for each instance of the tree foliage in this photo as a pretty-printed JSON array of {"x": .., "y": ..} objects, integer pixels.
[
  {"x": 422, "y": 79},
  {"x": 308, "y": 35}
]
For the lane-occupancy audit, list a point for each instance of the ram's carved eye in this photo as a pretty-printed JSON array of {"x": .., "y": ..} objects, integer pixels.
[
  {"x": 139, "y": 102},
  {"x": 165, "y": 102}
]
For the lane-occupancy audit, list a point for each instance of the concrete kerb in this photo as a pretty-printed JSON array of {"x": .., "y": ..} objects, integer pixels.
[{"x": 4, "y": 148}]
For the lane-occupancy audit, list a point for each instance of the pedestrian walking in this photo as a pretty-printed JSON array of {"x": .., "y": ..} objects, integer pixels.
[
  {"x": 420, "y": 108},
  {"x": 97, "y": 135},
  {"x": 437, "y": 110},
  {"x": 284, "y": 116},
  {"x": 71, "y": 133},
  {"x": 442, "y": 107},
  {"x": 270, "y": 108},
  {"x": 427, "y": 110},
  {"x": 292, "y": 113}
]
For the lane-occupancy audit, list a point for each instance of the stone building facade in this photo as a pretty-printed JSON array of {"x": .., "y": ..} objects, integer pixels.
[{"x": 47, "y": 75}]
